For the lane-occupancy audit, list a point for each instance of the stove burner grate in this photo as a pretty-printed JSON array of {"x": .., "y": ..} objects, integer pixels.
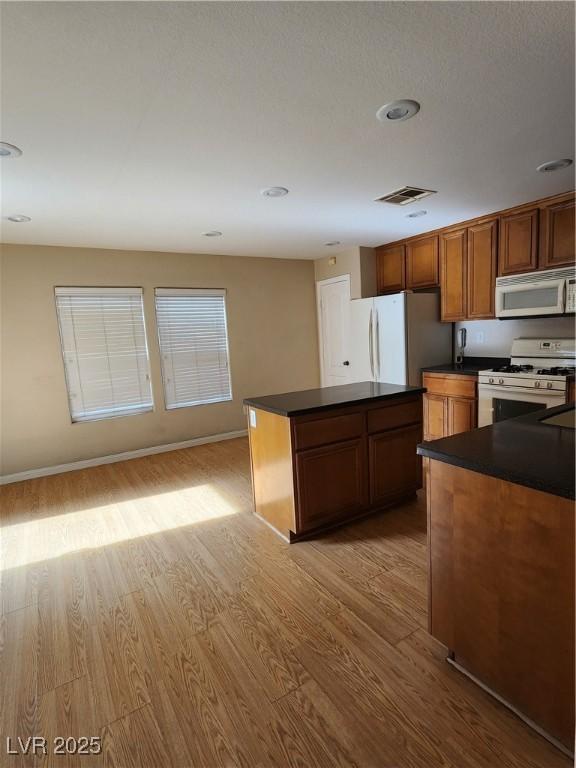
[
  {"x": 557, "y": 371},
  {"x": 514, "y": 369}
]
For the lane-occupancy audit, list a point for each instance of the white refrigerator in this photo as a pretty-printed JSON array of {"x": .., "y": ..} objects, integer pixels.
[{"x": 393, "y": 337}]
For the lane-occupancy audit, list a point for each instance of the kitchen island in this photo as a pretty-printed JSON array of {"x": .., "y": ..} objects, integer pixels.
[
  {"x": 501, "y": 561},
  {"x": 322, "y": 457}
]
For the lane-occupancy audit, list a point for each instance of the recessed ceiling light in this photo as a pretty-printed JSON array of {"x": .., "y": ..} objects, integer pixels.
[
  {"x": 396, "y": 111},
  {"x": 19, "y": 218},
  {"x": 274, "y": 192},
  {"x": 330, "y": 243},
  {"x": 554, "y": 165},
  {"x": 9, "y": 150},
  {"x": 212, "y": 233},
  {"x": 416, "y": 214}
]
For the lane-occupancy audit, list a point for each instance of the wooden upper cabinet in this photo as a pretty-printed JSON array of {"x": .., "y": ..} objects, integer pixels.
[
  {"x": 557, "y": 233},
  {"x": 422, "y": 262},
  {"x": 518, "y": 250},
  {"x": 453, "y": 268},
  {"x": 481, "y": 269},
  {"x": 390, "y": 268}
]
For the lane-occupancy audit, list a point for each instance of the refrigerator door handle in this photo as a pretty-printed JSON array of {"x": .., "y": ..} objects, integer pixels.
[
  {"x": 377, "y": 344},
  {"x": 371, "y": 342}
]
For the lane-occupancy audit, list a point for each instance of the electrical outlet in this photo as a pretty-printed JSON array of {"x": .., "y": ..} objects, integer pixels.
[{"x": 479, "y": 337}]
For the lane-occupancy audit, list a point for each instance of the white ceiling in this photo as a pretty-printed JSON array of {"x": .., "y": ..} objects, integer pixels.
[{"x": 145, "y": 124}]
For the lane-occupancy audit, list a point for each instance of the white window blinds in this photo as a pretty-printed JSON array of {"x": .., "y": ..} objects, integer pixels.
[
  {"x": 193, "y": 346},
  {"x": 105, "y": 352}
]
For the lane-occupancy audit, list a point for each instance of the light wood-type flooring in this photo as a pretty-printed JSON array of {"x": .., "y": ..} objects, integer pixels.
[{"x": 143, "y": 603}]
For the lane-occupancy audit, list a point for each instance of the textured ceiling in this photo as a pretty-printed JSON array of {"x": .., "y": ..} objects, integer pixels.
[{"x": 145, "y": 124}]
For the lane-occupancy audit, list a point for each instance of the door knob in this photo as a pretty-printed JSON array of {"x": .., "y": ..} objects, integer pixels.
[{"x": 346, "y": 362}]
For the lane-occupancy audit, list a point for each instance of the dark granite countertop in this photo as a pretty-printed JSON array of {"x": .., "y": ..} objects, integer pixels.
[
  {"x": 523, "y": 450},
  {"x": 470, "y": 365},
  {"x": 311, "y": 400}
]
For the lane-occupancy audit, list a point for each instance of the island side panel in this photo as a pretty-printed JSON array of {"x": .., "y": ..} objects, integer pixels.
[
  {"x": 271, "y": 464},
  {"x": 502, "y": 589}
]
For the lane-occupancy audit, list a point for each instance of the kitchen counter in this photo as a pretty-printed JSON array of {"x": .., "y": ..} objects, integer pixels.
[
  {"x": 324, "y": 457},
  {"x": 501, "y": 592},
  {"x": 469, "y": 367},
  {"x": 523, "y": 450},
  {"x": 315, "y": 400}
]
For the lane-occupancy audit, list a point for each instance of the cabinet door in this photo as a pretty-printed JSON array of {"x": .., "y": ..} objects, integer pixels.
[
  {"x": 518, "y": 250},
  {"x": 331, "y": 483},
  {"x": 453, "y": 246},
  {"x": 435, "y": 417},
  {"x": 481, "y": 269},
  {"x": 395, "y": 467},
  {"x": 422, "y": 262},
  {"x": 390, "y": 269},
  {"x": 461, "y": 415},
  {"x": 557, "y": 234}
]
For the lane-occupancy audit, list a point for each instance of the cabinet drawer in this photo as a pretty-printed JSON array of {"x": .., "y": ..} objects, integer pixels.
[
  {"x": 310, "y": 434},
  {"x": 458, "y": 386},
  {"x": 394, "y": 415}
]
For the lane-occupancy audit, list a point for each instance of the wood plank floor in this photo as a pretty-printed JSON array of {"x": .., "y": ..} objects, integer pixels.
[{"x": 143, "y": 603}]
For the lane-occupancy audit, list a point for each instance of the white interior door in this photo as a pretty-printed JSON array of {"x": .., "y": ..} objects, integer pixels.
[{"x": 333, "y": 306}]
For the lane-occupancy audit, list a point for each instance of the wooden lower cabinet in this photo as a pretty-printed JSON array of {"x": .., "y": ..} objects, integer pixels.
[
  {"x": 395, "y": 469},
  {"x": 322, "y": 469},
  {"x": 461, "y": 414},
  {"x": 501, "y": 589},
  {"x": 450, "y": 404},
  {"x": 435, "y": 416},
  {"x": 331, "y": 481}
]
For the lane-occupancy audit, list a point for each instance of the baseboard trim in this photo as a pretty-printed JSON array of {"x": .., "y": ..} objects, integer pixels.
[
  {"x": 558, "y": 744},
  {"x": 112, "y": 458}
]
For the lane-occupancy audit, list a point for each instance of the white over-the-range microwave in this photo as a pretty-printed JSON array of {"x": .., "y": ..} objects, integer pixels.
[{"x": 550, "y": 292}]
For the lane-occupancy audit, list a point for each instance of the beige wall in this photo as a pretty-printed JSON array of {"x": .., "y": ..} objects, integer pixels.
[
  {"x": 359, "y": 263},
  {"x": 272, "y": 337}
]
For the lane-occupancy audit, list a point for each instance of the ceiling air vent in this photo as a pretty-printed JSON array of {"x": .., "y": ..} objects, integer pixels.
[{"x": 405, "y": 195}]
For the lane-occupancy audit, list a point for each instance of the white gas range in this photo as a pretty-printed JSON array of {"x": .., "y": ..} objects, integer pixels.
[{"x": 537, "y": 377}]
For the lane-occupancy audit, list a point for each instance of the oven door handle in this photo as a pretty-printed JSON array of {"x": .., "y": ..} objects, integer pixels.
[{"x": 484, "y": 389}]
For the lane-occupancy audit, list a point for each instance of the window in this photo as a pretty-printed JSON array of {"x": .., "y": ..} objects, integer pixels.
[
  {"x": 105, "y": 353},
  {"x": 193, "y": 346}
]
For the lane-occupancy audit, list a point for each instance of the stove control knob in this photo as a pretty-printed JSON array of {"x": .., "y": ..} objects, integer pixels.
[
  {"x": 500, "y": 381},
  {"x": 490, "y": 380},
  {"x": 537, "y": 384},
  {"x": 549, "y": 385}
]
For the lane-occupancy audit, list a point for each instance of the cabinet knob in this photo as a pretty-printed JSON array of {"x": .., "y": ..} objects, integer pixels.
[
  {"x": 346, "y": 362},
  {"x": 500, "y": 381}
]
